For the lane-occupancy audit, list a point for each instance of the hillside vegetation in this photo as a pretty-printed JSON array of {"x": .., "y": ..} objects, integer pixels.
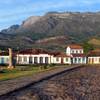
[{"x": 54, "y": 30}]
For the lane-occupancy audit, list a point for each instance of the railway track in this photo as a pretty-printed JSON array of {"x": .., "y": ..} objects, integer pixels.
[{"x": 46, "y": 78}]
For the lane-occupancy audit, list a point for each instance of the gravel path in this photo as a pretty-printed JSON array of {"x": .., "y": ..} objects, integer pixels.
[
  {"x": 77, "y": 84},
  {"x": 11, "y": 85}
]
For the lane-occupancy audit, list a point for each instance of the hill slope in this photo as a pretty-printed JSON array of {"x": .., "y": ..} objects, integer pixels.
[{"x": 70, "y": 27}]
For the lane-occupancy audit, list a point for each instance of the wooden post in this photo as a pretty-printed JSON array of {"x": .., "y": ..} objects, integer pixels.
[{"x": 10, "y": 59}]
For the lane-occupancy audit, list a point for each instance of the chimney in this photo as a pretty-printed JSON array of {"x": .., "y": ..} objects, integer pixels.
[{"x": 10, "y": 59}]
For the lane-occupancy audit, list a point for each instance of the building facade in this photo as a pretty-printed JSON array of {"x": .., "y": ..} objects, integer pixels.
[
  {"x": 34, "y": 59},
  {"x": 74, "y": 55},
  {"x": 34, "y": 56},
  {"x": 94, "y": 57},
  {"x": 77, "y": 54},
  {"x": 62, "y": 59},
  {"x": 74, "y": 49},
  {"x": 4, "y": 58}
]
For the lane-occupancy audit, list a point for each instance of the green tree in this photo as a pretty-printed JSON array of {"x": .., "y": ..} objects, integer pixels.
[{"x": 87, "y": 47}]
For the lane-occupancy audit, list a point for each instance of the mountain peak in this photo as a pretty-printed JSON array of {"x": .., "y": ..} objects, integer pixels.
[
  {"x": 77, "y": 27},
  {"x": 11, "y": 29}
]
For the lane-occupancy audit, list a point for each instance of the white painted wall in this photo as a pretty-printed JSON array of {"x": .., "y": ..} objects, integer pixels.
[
  {"x": 50, "y": 58},
  {"x": 79, "y": 60},
  {"x": 67, "y": 61},
  {"x": 55, "y": 61},
  {"x": 6, "y": 59},
  {"x": 77, "y": 51},
  {"x": 70, "y": 51},
  {"x": 22, "y": 59},
  {"x": 96, "y": 60}
]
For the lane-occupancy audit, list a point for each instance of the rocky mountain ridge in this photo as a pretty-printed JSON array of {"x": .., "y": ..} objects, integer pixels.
[{"x": 75, "y": 27}]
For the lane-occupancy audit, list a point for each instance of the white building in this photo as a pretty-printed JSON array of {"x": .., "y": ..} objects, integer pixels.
[
  {"x": 79, "y": 59},
  {"x": 34, "y": 56},
  {"x": 94, "y": 57},
  {"x": 77, "y": 53},
  {"x": 33, "y": 59},
  {"x": 62, "y": 59},
  {"x": 74, "y": 49},
  {"x": 31, "y": 56},
  {"x": 4, "y": 58}
]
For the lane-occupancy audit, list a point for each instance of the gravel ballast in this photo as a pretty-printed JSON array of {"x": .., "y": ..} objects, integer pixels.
[{"x": 11, "y": 85}]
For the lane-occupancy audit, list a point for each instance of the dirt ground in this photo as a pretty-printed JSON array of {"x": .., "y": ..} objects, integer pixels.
[{"x": 78, "y": 84}]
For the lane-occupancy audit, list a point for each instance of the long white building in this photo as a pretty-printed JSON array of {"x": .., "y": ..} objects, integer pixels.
[
  {"x": 74, "y": 55},
  {"x": 37, "y": 56}
]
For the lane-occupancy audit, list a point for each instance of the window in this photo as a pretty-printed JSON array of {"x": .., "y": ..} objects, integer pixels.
[
  {"x": 46, "y": 60},
  {"x": 80, "y": 51},
  {"x": 92, "y": 60},
  {"x": 76, "y": 51},
  {"x": 25, "y": 59},
  {"x": 89, "y": 60},
  {"x": 57, "y": 59},
  {"x": 19, "y": 59},
  {"x": 41, "y": 60},
  {"x": 66, "y": 59},
  {"x": 7, "y": 60},
  {"x": 84, "y": 59},
  {"x": 79, "y": 60},
  {"x": 72, "y": 51},
  {"x": 2, "y": 60},
  {"x": 96, "y": 59},
  {"x": 30, "y": 60},
  {"x": 75, "y": 60},
  {"x": 35, "y": 60}
]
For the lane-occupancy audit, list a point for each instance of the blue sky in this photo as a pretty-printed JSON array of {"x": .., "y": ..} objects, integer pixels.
[{"x": 15, "y": 11}]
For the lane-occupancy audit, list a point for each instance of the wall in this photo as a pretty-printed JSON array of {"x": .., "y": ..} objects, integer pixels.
[
  {"x": 67, "y": 61},
  {"x": 33, "y": 58},
  {"x": 4, "y": 59},
  {"x": 68, "y": 51},
  {"x": 79, "y": 60},
  {"x": 57, "y": 60},
  {"x": 93, "y": 60}
]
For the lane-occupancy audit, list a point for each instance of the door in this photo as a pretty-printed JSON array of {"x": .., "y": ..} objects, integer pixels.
[
  {"x": 62, "y": 61},
  {"x": 35, "y": 60},
  {"x": 92, "y": 60},
  {"x": 2, "y": 60},
  {"x": 41, "y": 60},
  {"x": 30, "y": 60},
  {"x": 46, "y": 60}
]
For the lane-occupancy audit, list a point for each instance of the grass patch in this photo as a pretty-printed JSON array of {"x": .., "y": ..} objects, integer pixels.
[{"x": 7, "y": 74}]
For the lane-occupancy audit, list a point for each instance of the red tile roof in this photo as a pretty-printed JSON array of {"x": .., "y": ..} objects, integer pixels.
[
  {"x": 54, "y": 53},
  {"x": 94, "y": 53},
  {"x": 62, "y": 55},
  {"x": 78, "y": 55},
  {"x": 33, "y": 51},
  {"x": 75, "y": 46}
]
